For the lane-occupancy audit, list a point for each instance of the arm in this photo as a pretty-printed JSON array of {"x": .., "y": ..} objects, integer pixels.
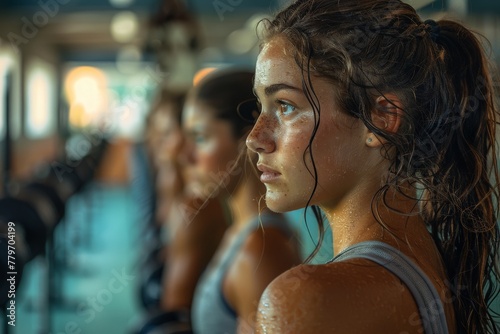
[
  {"x": 296, "y": 302},
  {"x": 191, "y": 248},
  {"x": 264, "y": 255},
  {"x": 351, "y": 297}
]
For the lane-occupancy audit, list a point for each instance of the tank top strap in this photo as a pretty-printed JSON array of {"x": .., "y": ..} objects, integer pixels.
[{"x": 426, "y": 296}]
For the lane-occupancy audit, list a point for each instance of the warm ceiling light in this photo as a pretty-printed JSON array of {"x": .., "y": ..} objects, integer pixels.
[
  {"x": 86, "y": 91},
  {"x": 201, "y": 74}
]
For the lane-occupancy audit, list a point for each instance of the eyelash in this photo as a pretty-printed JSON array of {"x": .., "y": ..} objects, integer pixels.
[{"x": 280, "y": 104}]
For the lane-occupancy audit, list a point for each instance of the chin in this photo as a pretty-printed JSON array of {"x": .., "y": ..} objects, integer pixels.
[{"x": 280, "y": 203}]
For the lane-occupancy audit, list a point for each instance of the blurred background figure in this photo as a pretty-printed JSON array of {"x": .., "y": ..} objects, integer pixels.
[
  {"x": 86, "y": 180},
  {"x": 185, "y": 231},
  {"x": 259, "y": 244},
  {"x": 158, "y": 181}
]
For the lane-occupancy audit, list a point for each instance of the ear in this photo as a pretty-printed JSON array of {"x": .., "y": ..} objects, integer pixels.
[{"x": 386, "y": 116}]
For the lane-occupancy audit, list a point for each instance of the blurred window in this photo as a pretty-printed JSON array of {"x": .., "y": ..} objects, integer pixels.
[{"x": 41, "y": 113}]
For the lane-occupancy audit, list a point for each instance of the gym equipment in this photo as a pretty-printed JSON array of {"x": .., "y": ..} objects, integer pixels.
[
  {"x": 150, "y": 288},
  {"x": 35, "y": 208},
  {"x": 173, "y": 322}
]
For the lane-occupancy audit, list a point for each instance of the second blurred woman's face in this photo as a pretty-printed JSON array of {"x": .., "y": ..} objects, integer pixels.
[{"x": 210, "y": 151}]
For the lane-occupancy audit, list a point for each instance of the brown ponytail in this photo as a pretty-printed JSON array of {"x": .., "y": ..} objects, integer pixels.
[{"x": 465, "y": 222}]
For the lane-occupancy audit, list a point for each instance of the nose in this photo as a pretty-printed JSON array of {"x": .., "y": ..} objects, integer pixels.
[{"x": 261, "y": 138}]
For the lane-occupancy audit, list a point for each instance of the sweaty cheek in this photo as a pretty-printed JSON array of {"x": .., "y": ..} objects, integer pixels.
[{"x": 297, "y": 137}]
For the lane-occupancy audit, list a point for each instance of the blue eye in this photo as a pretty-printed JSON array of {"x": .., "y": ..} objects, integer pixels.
[{"x": 285, "y": 108}]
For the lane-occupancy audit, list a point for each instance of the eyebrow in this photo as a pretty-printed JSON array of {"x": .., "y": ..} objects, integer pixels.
[{"x": 272, "y": 89}]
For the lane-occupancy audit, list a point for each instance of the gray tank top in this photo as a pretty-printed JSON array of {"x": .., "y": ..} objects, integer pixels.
[
  {"x": 211, "y": 313},
  {"x": 427, "y": 298}
]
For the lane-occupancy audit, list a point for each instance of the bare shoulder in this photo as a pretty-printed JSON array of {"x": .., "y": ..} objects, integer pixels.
[
  {"x": 265, "y": 254},
  {"x": 268, "y": 240},
  {"x": 355, "y": 296}
]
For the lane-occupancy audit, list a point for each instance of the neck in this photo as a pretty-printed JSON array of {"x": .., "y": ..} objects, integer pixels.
[{"x": 354, "y": 221}]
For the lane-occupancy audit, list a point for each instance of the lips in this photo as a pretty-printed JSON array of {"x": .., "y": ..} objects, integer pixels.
[{"x": 268, "y": 174}]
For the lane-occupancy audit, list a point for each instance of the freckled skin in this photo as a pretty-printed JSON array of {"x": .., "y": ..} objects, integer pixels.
[
  {"x": 337, "y": 147},
  {"x": 336, "y": 297}
]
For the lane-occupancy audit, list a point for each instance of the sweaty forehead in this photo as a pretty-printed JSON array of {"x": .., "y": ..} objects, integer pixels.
[{"x": 276, "y": 64}]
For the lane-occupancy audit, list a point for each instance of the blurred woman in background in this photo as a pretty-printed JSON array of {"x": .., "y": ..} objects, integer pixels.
[
  {"x": 190, "y": 228},
  {"x": 259, "y": 244}
]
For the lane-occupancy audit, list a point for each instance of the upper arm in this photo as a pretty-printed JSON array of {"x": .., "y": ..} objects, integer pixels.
[
  {"x": 190, "y": 250},
  {"x": 343, "y": 298},
  {"x": 264, "y": 256},
  {"x": 288, "y": 304}
]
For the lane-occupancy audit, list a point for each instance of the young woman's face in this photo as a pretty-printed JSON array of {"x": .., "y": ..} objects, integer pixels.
[
  {"x": 211, "y": 151},
  {"x": 283, "y": 131}
]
